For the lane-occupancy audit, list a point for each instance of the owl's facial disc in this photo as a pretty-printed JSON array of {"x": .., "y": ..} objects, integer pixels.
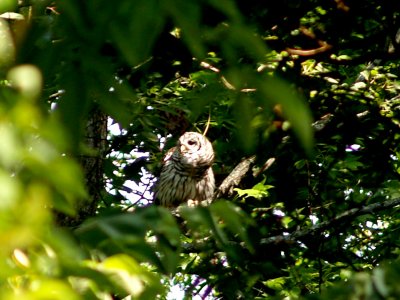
[{"x": 189, "y": 146}]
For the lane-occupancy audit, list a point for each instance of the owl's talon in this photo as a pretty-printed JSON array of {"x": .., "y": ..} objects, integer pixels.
[{"x": 193, "y": 203}]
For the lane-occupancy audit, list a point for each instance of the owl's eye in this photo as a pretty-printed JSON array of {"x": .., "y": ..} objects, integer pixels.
[{"x": 192, "y": 142}]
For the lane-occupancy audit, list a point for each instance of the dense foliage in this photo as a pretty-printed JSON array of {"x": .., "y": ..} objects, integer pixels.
[{"x": 305, "y": 93}]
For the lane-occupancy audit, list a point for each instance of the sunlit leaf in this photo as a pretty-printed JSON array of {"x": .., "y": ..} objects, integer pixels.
[
  {"x": 259, "y": 191},
  {"x": 7, "y": 48},
  {"x": 276, "y": 283},
  {"x": 129, "y": 275},
  {"x": 8, "y": 5},
  {"x": 42, "y": 288},
  {"x": 11, "y": 152},
  {"x": 27, "y": 79}
]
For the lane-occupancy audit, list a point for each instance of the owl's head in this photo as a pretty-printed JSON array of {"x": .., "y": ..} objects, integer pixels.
[{"x": 195, "y": 149}]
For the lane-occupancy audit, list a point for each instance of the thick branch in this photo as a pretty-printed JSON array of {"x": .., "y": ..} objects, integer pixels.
[{"x": 234, "y": 178}]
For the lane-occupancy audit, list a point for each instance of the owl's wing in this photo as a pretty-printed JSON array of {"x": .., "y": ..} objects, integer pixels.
[{"x": 167, "y": 157}]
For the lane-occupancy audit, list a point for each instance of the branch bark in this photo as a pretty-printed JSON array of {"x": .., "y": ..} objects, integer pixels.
[
  {"x": 234, "y": 178},
  {"x": 93, "y": 166}
]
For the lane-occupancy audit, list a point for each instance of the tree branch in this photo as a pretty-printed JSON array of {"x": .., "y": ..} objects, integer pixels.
[
  {"x": 346, "y": 216},
  {"x": 234, "y": 178},
  {"x": 297, "y": 235}
]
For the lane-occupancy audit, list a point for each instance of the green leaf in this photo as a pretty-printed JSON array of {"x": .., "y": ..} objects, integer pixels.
[
  {"x": 235, "y": 220},
  {"x": 274, "y": 90},
  {"x": 127, "y": 232},
  {"x": 259, "y": 191},
  {"x": 98, "y": 230},
  {"x": 73, "y": 107},
  {"x": 201, "y": 221},
  {"x": 27, "y": 79},
  {"x": 186, "y": 15},
  {"x": 228, "y": 7},
  {"x": 136, "y": 29},
  {"x": 164, "y": 226},
  {"x": 130, "y": 276},
  {"x": 11, "y": 152},
  {"x": 7, "y": 47},
  {"x": 43, "y": 287},
  {"x": 276, "y": 283},
  {"x": 244, "y": 112},
  {"x": 8, "y": 5}
]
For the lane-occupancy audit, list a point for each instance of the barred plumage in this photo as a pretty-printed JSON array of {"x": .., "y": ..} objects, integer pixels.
[{"x": 186, "y": 175}]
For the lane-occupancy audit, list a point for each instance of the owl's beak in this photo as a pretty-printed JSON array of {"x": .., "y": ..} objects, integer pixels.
[{"x": 184, "y": 148}]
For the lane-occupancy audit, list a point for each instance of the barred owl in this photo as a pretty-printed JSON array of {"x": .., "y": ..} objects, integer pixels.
[{"x": 186, "y": 175}]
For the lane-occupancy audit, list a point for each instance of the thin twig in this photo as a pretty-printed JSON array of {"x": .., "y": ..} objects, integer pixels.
[{"x": 208, "y": 124}]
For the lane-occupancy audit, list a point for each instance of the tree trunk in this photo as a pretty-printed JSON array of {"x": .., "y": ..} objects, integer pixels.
[{"x": 92, "y": 162}]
